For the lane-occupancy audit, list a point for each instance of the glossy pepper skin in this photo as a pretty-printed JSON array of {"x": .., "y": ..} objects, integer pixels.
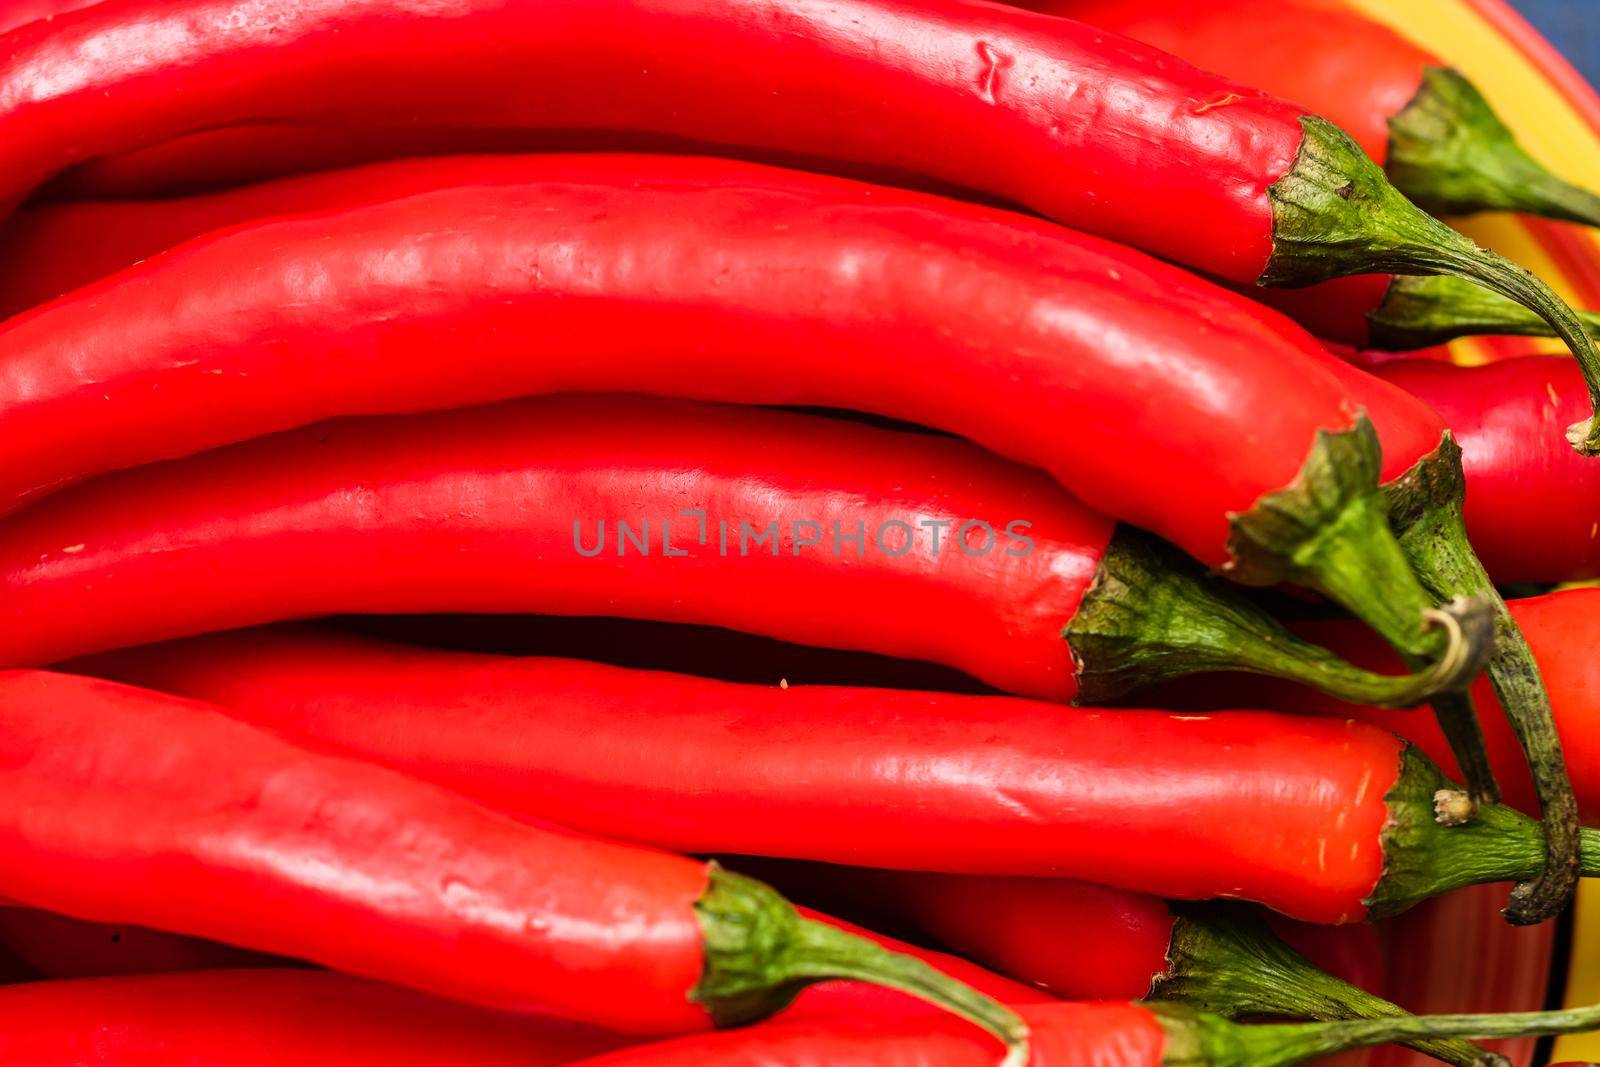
[
  {"x": 917, "y": 781},
  {"x": 1441, "y": 142},
  {"x": 783, "y": 525},
  {"x": 1558, "y": 628},
  {"x": 57, "y": 947},
  {"x": 1083, "y": 127},
  {"x": 125, "y": 805},
  {"x": 1533, "y": 508},
  {"x": 269, "y": 1018},
  {"x": 492, "y": 514},
  {"x": 940, "y": 89},
  {"x": 892, "y": 302}
]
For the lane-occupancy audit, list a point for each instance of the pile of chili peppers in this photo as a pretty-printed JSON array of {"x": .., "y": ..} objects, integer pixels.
[{"x": 507, "y": 506}]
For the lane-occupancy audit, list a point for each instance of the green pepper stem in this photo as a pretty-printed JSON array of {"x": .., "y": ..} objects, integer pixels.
[
  {"x": 1152, "y": 614},
  {"x": 1421, "y": 311},
  {"x": 1329, "y": 531},
  {"x": 1451, "y": 154},
  {"x": 1213, "y": 1042},
  {"x": 1425, "y": 505},
  {"x": 1223, "y": 959},
  {"x": 760, "y": 952},
  {"x": 1335, "y": 213}
]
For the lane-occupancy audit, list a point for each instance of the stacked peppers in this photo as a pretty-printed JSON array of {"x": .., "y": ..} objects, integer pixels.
[{"x": 364, "y": 309}]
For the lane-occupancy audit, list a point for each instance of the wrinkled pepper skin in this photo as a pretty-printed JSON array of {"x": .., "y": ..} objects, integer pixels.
[
  {"x": 919, "y": 781},
  {"x": 891, "y": 302},
  {"x": 1533, "y": 505},
  {"x": 1353, "y": 71},
  {"x": 500, "y": 512},
  {"x": 1080, "y": 126},
  {"x": 122, "y": 805},
  {"x": 271, "y": 1018}
]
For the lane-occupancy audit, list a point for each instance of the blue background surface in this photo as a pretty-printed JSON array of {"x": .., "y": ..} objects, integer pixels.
[{"x": 1573, "y": 26}]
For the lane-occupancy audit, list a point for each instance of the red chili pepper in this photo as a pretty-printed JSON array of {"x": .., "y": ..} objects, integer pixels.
[
  {"x": 122, "y": 805},
  {"x": 1007, "y": 330},
  {"x": 1053, "y": 115},
  {"x": 58, "y": 947},
  {"x": 1339, "y": 822},
  {"x": 320, "y": 522},
  {"x": 271, "y": 1018},
  {"x": 1440, "y": 141},
  {"x": 785, "y": 525},
  {"x": 55, "y": 946},
  {"x": 1533, "y": 513},
  {"x": 1559, "y": 629},
  {"x": 1090, "y": 942},
  {"x": 1087, "y": 1035}
]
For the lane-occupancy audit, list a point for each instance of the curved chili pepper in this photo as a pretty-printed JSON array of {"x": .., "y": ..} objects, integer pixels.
[
  {"x": 1561, "y": 635},
  {"x": 1431, "y": 129},
  {"x": 1335, "y": 477},
  {"x": 271, "y": 1018},
  {"x": 784, "y": 525},
  {"x": 1340, "y": 821},
  {"x": 1083, "y": 128},
  {"x": 1091, "y": 942},
  {"x": 123, "y": 805},
  {"x": 58, "y": 947},
  {"x": 1440, "y": 141},
  {"x": 1248, "y": 451},
  {"x": 1533, "y": 513},
  {"x": 1089, "y": 1035}
]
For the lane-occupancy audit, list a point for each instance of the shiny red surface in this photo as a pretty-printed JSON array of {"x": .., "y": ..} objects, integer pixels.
[
  {"x": 1083, "y": 127},
  {"x": 1064, "y": 1035},
  {"x": 355, "y": 517},
  {"x": 270, "y": 1018},
  {"x": 1357, "y": 75},
  {"x": 122, "y": 805},
  {"x": 1078, "y": 940},
  {"x": 689, "y": 277},
  {"x": 59, "y": 947},
  {"x": 922, "y": 781},
  {"x": 1563, "y": 629},
  {"x": 1533, "y": 504},
  {"x": 236, "y": 155}
]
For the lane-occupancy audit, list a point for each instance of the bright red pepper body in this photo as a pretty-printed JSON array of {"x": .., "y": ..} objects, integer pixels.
[
  {"x": 128, "y": 806},
  {"x": 1081, "y": 127},
  {"x": 1353, "y": 71},
  {"x": 1063, "y": 351},
  {"x": 1357, "y": 74},
  {"x": 1078, "y": 940},
  {"x": 884, "y": 778},
  {"x": 1559, "y": 627},
  {"x": 501, "y": 512},
  {"x": 270, "y": 1018},
  {"x": 1064, "y": 1035},
  {"x": 1533, "y": 506}
]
